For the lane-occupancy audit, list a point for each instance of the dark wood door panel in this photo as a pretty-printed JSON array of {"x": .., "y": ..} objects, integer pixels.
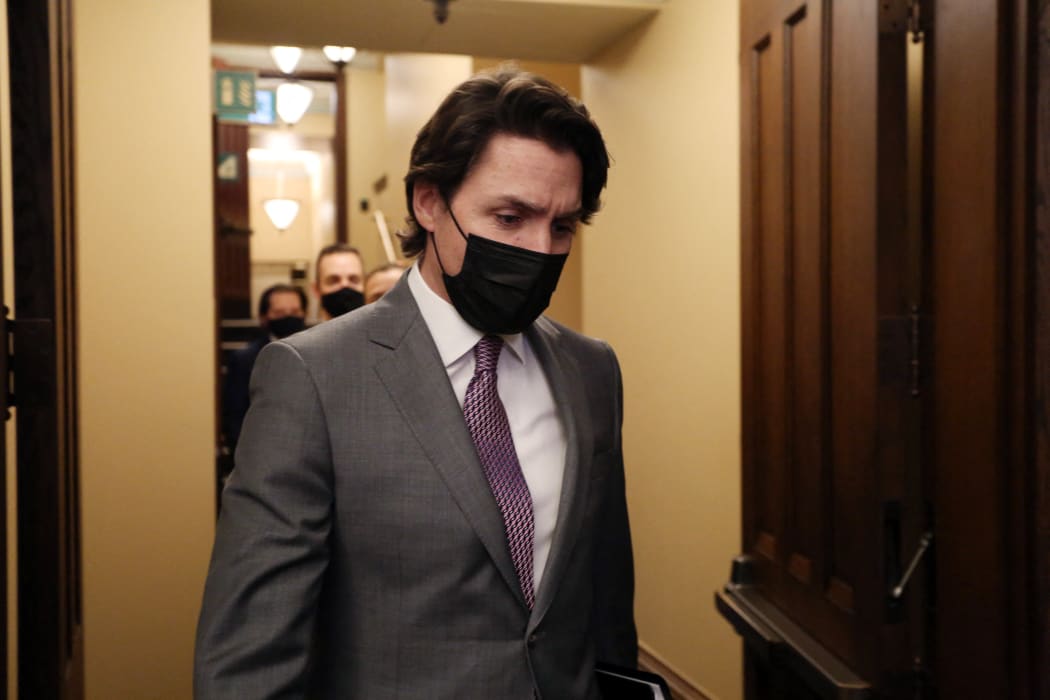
[
  {"x": 968, "y": 370},
  {"x": 893, "y": 356},
  {"x": 768, "y": 267},
  {"x": 232, "y": 225},
  {"x": 50, "y": 620},
  {"x": 816, "y": 79}
]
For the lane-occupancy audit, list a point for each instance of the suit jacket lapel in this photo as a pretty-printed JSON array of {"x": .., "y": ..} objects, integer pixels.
[
  {"x": 418, "y": 383},
  {"x": 563, "y": 375}
]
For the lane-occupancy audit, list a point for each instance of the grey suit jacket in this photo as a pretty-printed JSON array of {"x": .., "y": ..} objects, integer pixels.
[{"x": 360, "y": 552}]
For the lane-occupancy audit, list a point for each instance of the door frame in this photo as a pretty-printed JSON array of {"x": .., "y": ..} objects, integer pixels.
[
  {"x": 988, "y": 444},
  {"x": 50, "y": 620}
]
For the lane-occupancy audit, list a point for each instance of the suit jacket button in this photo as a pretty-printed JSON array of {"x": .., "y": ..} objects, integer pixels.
[{"x": 532, "y": 640}]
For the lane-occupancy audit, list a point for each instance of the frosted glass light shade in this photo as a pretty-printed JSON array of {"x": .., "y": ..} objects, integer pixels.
[
  {"x": 293, "y": 99},
  {"x": 286, "y": 57},
  {"x": 282, "y": 212},
  {"x": 339, "y": 54}
]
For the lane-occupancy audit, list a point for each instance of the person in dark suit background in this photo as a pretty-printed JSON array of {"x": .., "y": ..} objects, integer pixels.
[
  {"x": 429, "y": 499},
  {"x": 282, "y": 311}
]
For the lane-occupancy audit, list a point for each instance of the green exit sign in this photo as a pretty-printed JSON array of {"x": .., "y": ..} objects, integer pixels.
[{"x": 234, "y": 93}]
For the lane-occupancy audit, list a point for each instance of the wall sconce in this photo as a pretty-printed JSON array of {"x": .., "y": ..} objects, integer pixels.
[
  {"x": 293, "y": 99},
  {"x": 340, "y": 55},
  {"x": 281, "y": 212},
  {"x": 286, "y": 57}
]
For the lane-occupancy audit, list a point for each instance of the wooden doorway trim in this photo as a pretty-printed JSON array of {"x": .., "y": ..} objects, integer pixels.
[
  {"x": 50, "y": 638},
  {"x": 990, "y": 240},
  {"x": 1033, "y": 79}
]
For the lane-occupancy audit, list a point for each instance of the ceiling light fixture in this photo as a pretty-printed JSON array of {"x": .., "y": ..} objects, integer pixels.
[
  {"x": 281, "y": 212},
  {"x": 293, "y": 99},
  {"x": 441, "y": 10},
  {"x": 286, "y": 57},
  {"x": 340, "y": 55}
]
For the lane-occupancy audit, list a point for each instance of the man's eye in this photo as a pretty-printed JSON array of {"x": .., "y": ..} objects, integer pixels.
[
  {"x": 508, "y": 219},
  {"x": 564, "y": 229}
]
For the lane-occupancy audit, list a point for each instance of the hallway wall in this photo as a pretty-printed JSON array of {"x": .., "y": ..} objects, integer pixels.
[
  {"x": 366, "y": 129},
  {"x": 661, "y": 283},
  {"x": 146, "y": 338},
  {"x": 666, "y": 98},
  {"x": 415, "y": 86}
]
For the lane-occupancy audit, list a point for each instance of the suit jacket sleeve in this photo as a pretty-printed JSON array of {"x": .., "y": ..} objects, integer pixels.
[
  {"x": 271, "y": 545},
  {"x": 613, "y": 616}
]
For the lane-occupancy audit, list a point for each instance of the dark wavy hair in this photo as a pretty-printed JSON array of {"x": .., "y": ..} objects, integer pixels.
[
  {"x": 264, "y": 298},
  {"x": 505, "y": 101}
]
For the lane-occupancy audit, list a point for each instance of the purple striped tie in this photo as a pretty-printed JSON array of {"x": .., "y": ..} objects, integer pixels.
[{"x": 487, "y": 422}]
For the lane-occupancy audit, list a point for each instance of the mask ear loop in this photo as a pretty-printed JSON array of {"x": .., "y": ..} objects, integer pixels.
[
  {"x": 433, "y": 238},
  {"x": 454, "y": 220}
]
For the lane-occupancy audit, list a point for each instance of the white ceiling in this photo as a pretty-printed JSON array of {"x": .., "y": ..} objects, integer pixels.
[{"x": 571, "y": 31}]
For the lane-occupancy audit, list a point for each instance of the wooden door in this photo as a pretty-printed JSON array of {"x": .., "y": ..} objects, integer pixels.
[
  {"x": 50, "y": 635},
  {"x": 232, "y": 230},
  {"x": 833, "y": 505},
  {"x": 989, "y": 467},
  {"x": 895, "y": 372},
  {"x": 233, "y": 268}
]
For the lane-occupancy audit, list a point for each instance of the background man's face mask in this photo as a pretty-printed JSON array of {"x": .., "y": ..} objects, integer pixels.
[
  {"x": 342, "y": 301},
  {"x": 501, "y": 288},
  {"x": 285, "y": 326}
]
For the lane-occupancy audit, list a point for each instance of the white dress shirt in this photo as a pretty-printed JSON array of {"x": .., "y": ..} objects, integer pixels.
[{"x": 539, "y": 437}]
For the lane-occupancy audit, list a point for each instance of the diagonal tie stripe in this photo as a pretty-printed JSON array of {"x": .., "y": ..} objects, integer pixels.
[{"x": 487, "y": 421}]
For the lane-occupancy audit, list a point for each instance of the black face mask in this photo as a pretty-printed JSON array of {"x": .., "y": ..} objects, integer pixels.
[
  {"x": 284, "y": 327},
  {"x": 342, "y": 301},
  {"x": 501, "y": 288}
]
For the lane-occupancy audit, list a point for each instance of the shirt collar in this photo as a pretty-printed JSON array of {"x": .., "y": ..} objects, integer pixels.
[{"x": 453, "y": 336}]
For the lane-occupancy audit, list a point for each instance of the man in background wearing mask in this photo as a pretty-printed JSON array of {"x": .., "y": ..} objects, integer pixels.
[
  {"x": 381, "y": 280},
  {"x": 430, "y": 500},
  {"x": 282, "y": 311},
  {"x": 340, "y": 280}
]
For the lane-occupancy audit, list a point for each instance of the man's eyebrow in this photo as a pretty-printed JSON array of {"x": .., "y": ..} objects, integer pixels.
[
  {"x": 574, "y": 215},
  {"x": 518, "y": 203}
]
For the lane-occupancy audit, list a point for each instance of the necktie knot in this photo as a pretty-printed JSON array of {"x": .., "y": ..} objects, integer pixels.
[{"x": 486, "y": 353}]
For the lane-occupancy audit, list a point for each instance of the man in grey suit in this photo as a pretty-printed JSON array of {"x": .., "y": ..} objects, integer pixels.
[{"x": 429, "y": 499}]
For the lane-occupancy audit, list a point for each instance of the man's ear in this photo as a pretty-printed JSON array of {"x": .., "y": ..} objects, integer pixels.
[{"x": 427, "y": 204}]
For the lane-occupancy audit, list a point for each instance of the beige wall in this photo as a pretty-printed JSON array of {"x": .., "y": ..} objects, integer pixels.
[
  {"x": 666, "y": 98},
  {"x": 661, "y": 283},
  {"x": 146, "y": 338},
  {"x": 367, "y": 163},
  {"x": 415, "y": 86}
]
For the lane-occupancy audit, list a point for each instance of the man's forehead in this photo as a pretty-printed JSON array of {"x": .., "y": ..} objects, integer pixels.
[
  {"x": 504, "y": 145},
  {"x": 285, "y": 298},
  {"x": 518, "y": 171},
  {"x": 392, "y": 272},
  {"x": 336, "y": 261},
  {"x": 284, "y": 295}
]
